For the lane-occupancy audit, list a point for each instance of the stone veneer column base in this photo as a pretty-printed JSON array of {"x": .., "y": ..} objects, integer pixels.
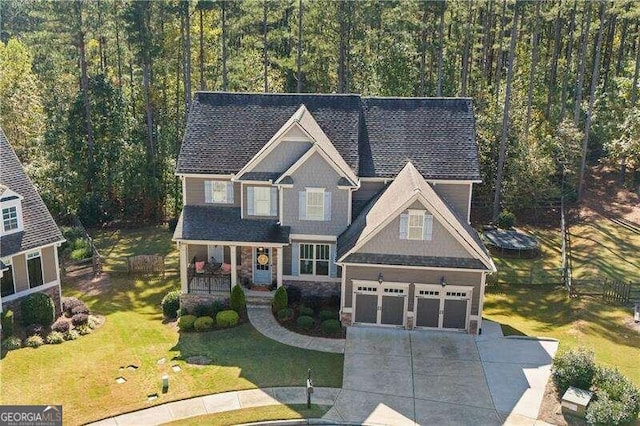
[
  {"x": 345, "y": 319},
  {"x": 473, "y": 327},
  {"x": 190, "y": 301},
  {"x": 14, "y": 305}
]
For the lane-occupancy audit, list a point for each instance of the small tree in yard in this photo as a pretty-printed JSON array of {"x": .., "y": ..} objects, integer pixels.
[
  {"x": 238, "y": 301},
  {"x": 280, "y": 299}
]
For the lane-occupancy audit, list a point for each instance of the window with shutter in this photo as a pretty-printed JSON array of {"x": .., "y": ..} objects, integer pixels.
[
  {"x": 218, "y": 192},
  {"x": 415, "y": 228},
  {"x": 262, "y": 201},
  {"x": 315, "y": 204}
]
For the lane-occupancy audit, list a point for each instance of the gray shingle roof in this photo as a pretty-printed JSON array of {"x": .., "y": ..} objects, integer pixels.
[
  {"x": 39, "y": 227},
  {"x": 209, "y": 223},
  {"x": 408, "y": 260},
  {"x": 375, "y": 136}
]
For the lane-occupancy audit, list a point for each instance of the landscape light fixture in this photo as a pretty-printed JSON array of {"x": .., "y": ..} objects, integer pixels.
[
  {"x": 443, "y": 282},
  {"x": 380, "y": 278}
]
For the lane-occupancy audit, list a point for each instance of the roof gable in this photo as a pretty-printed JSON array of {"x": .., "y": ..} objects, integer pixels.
[{"x": 7, "y": 194}]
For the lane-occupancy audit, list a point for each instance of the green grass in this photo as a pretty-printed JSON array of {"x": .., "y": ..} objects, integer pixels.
[
  {"x": 81, "y": 374},
  {"x": 585, "y": 321},
  {"x": 248, "y": 415}
]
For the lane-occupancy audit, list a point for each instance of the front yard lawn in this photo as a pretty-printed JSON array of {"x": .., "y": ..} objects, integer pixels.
[
  {"x": 81, "y": 374},
  {"x": 248, "y": 415}
]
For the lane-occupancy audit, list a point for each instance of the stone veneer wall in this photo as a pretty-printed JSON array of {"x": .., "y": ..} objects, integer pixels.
[
  {"x": 473, "y": 327},
  {"x": 345, "y": 319},
  {"x": 312, "y": 288},
  {"x": 245, "y": 269},
  {"x": 14, "y": 305},
  {"x": 190, "y": 301}
]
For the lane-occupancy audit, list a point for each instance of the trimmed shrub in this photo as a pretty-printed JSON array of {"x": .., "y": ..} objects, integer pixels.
[
  {"x": 217, "y": 306},
  {"x": 227, "y": 318},
  {"x": 55, "y": 338},
  {"x": 84, "y": 329},
  {"x": 238, "y": 301},
  {"x": 170, "y": 304},
  {"x": 285, "y": 314},
  {"x": 7, "y": 323},
  {"x": 61, "y": 325},
  {"x": 328, "y": 315},
  {"x": 280, "y": 299},
  {"x": 34, "y": 329},
  {"x": 506, "y": 220},
  {"x": 331, "y": 327},
  {"x": 34, "y": 341},
  {"x": 305, "y": 322},
  {"x": 68, "y": 303},
  {"x": 71, "y": 335},
  {"x": 185, "y": 322},
  {"x": 313, "y": 301},
  {"x": 80, "y": 309},
  {"x": 617, "y": 398},
  {"x": 80, "y": 249},
  {"x": 37, "y": 308},
  {"x": 573, "y": 368},
  {"x": 11, "y": 343},
  {"x": 294, "y": 294},
  {"x": 80, "y": 319},
  {"x": 203, "y": 324},
  {"x": 306, "y": 312},
  {"x": 202, "y": 310}
]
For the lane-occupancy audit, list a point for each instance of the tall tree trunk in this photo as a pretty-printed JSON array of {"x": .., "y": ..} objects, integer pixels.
[
  {"x": 623, "y": 43},
  {"x": 423, "y": 49},
  {"x": 557, "y": 47},
  {"x": 299, "y": 53},
  {"x": 118, "y": 49},
  {"x": 225, "y": 80},
  {"x": 465, "y": 55},
  {"x": 265, "y": 58},
  {"x": 567, "y": 71},
  {"x": 487, "y": 60},
  {"x": 345, "y": 11},
  {"x": 535, "y": 42},
  {"x": 146, "y": 84},
  {"x": 583, "y": 63},
  {"x": 634, "y": 86},
  {"x": 498, "y": 75},
  {"x": 505, "y": 116},
  {"x": 608, "y": 51},
  {"x": 187, "y": 58},
  {"x": 592, "y": 98},
  {"x": 201, "y": 55},
  {"x": 441, "y": 48}
]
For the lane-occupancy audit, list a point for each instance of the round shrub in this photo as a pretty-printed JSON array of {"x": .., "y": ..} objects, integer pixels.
[
  {"x": 280, "y": 299},
  {"x": 203, "y": 324},
  {"x": 185, "y": 322},
  {"x": 617, "y": 398},
  {"x": 305, "y": 322},
  {"x": 55, "y": 338},
  {"x": 328, "y": 315},
  {"x": 285, "y": 314},
  {"x": 80, "y": 319},
  {"x": 506, "y": 220},
  {"x": 573, "y": 368},
  {"x": 68, "y": 303},
  {"x": 84, "y": 329},
  {"x": 71, "y": 335},
  {"x": 202, "y": 310},
  {"x": 80, "y": 309},
  {"x": 170, "y": 304},
  {"x": 238, "y": 301},
  {"x": 34, "y": 341},
  {"x": 7, "y": 323},
  {"x": 61, "y": 325},
  {"x": 330, "y": 327},
  {"x": 34, "y": 329},
  {"x": 11, "y": 343},
  {"x": 227, "y": 318},
  {"x": 306, "y": 312},
  {"x": 37, "y": 308}
]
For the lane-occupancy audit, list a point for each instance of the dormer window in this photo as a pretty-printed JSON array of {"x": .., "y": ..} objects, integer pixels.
[
  {"x": 9, "y": 219},
  {"x": 10, "y": 212}
]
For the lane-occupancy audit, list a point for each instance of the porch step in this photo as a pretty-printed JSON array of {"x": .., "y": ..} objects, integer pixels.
[{"x": 259, "y": 302}]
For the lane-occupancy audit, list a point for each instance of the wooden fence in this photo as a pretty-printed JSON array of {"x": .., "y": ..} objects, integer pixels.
[
  {"x": 96, "y": 260},
  {"x": 146, "y": 264},
  {"x": 567, "y": 266}
]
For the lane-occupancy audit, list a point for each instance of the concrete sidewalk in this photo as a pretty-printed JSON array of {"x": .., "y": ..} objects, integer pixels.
[
  {"x": 220, "y": 402},
  {"x": 262, "y": 319}
]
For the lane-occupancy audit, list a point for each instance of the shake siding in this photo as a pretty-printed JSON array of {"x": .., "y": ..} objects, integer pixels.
[
  {"x": 282, "y": 157},
  {"x": 420, "y": 276},
  {"x": 316, "y": 173},
  {"x": 20, "y": 277},
  {"x": 456, "y": 195},
  {"x": 388, "y": 241},
  {"x": 194, "y": 193},
  {"x": 49, "y": 267}
]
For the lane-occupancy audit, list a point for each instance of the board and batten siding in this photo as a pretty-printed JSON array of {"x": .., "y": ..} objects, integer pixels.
[
  {"x": 456, "y": 195},
  {"x": 316, "y": 173},
  {"x": 442, "y": 243},
  {"x": 49, "y": 266},
  {"x": 282, "y": 157},
  {"x": 194, "y": 193},
  {"x": 413, "y": 276}
]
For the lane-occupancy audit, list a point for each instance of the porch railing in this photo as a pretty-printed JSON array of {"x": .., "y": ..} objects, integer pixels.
[{"x": 207, "y": 281}]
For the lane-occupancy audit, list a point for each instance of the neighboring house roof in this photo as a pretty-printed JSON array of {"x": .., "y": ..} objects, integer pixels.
[
  {"x": 374, "y": 136},
  {"x": 39, "y": 227},
  {"x": 210, "y": 223},
  {"x": 409, "y": 186}
]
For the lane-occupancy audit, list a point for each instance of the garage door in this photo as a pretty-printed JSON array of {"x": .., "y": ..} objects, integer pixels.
[
  {"x": 380, "y": 304},
  {"x": 445, "y": 308}
]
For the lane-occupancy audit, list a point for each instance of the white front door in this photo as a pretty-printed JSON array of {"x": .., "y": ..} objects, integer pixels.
[
  {"x": 445, "y": 308},
  {"x": 380, "y": 304},
  {"x": 217, "y": 252}
]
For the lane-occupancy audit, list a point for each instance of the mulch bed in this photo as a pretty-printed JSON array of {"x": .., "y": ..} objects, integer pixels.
[
  {"x": 316, "y": 331},
  {"x": 550, "y": 409}
]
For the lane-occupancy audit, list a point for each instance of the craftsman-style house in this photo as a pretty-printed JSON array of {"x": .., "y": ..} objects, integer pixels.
[
  {"x": 365, "y": 198},
  {"x": 29, "y": 237}
]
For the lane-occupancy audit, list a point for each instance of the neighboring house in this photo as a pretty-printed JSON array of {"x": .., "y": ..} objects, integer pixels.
[
  {"x": 29, "y": 237},
  {"x": 364, "y": 198}
]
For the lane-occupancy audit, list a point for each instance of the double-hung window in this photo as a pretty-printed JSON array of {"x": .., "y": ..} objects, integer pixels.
[
  {"x": 9, "y": 219},
  {"x": 416, "y": 225},
  {"x": 262, "y": 201},
  {"x": 6, "y": 282},
  {"x": 34, "y": 269},
  {"x": 314, "y": 259},
  {"x": 315, "y": 203},
  {"x": 218, "y": 192}
]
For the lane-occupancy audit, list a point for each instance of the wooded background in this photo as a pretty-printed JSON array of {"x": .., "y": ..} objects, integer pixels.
[{"x": 94, "y": 94}]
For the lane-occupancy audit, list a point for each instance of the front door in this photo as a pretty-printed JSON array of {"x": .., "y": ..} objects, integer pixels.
[
  {"x": 261, "y": 265},
  {"x": 380, "y": 304},
  {"x": 445, "y": 308}
]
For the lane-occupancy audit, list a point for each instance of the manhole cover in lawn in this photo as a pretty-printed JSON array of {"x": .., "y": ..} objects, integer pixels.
[
  {"x": 152, "y": 396},
  {"x": 175, "y": 368},
  {"x": 199, "y": 360},
  {"x": 161, "y": 361},
  {"x": 120, "y": 380}
]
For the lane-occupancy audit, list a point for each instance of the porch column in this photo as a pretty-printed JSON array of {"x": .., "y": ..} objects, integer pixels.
[
  {"x": 183, "y": 267},
  {"x": 234, "y": 266},
  {"x": 279, "y": 266}
]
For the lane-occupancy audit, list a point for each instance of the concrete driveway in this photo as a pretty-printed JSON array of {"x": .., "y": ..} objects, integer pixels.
[{"x": 398, "y": 377}]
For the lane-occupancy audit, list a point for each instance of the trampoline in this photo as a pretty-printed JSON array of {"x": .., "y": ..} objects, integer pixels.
[{"x": 512, "y": 242}]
